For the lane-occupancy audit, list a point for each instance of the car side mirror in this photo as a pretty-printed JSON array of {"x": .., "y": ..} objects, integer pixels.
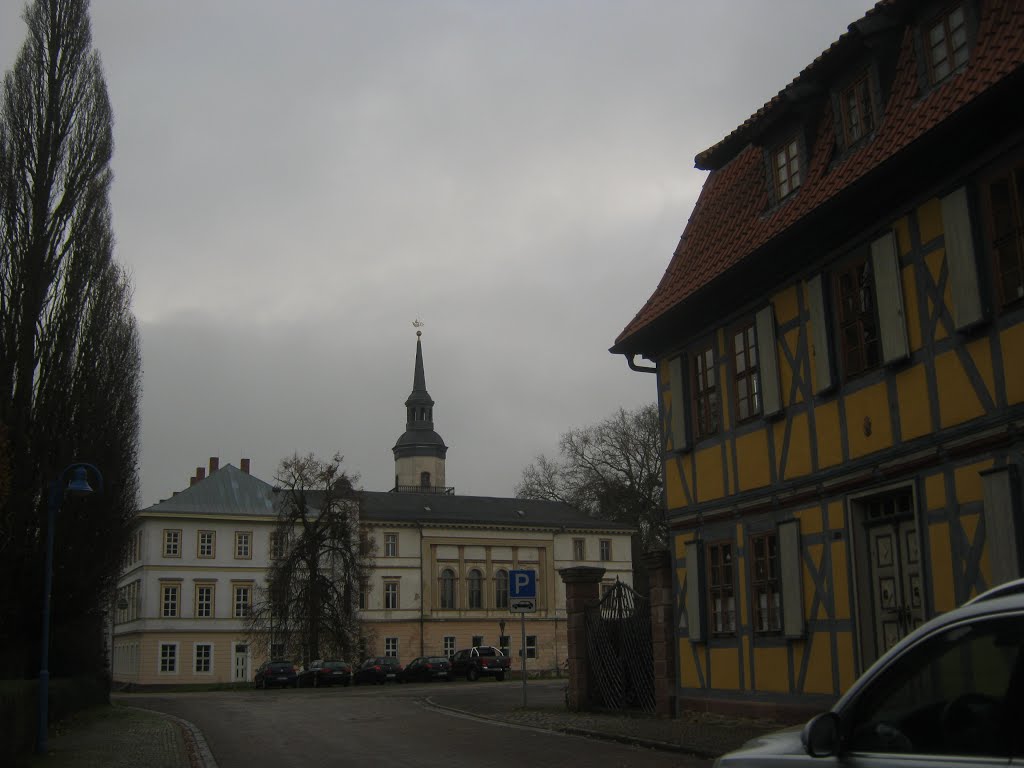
[{"x": 820, "y": 736}]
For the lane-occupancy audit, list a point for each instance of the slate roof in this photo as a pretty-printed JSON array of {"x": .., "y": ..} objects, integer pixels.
[
  {"x": 226, "y": 491},
  {"x": 477, "y": 510},
  {"x": 732, "y": 219},
  {"x": 229, "y": 491}
]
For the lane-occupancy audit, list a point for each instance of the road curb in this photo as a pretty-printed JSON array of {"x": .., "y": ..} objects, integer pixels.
[
  {"x": 570, "y": 730},
  {"x": 199, "y": 754}
]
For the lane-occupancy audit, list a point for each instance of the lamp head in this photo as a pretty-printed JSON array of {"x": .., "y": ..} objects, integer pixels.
[{"x": 79, "y": 485}]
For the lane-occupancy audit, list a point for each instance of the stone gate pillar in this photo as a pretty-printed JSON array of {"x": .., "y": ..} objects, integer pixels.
[
  {"x": 582, "y": 588},
  {"x": 663, "y": 634}
]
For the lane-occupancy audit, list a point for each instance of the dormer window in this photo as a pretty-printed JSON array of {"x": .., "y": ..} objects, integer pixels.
[
  {"x": 946, "y": 42},
  {"x": 424, "y": 479},
  {"x": 857, "y": 110},
  {"x": 786, "y": 165}
]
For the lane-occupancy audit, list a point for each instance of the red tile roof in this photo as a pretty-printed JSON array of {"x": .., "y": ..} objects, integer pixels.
[{"x": 732, "y": 219}]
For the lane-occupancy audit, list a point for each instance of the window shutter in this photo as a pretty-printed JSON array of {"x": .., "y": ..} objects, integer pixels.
[
  {"x": 694, "y": 615},
  {"x": 821, "y": 351},
  {"x": 1002, "y": 534},
  {"x": 768, "y": 361},
  {"x": 678, "y": 405},
  {"x": 885, "y": 264},
  {"x": 791, "y": 579},
  {"x": 963, "y": 268}
]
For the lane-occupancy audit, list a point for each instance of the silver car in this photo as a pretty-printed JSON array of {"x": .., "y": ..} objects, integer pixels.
[{"x": 950, "y": 693}]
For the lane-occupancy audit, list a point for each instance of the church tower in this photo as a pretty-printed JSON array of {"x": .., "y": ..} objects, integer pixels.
[{"x": 420, "y": 451}]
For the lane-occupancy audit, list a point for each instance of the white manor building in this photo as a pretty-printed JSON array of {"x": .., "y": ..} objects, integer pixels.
[{"x": 439, "y": 581}]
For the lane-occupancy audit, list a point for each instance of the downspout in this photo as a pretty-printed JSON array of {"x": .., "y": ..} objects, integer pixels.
[
  {"x": 639, "y": 368},
  {"x": 419, "y": 526}
]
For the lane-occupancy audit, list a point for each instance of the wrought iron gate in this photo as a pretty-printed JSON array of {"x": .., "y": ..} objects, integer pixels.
[{"x": 619, "y": 650}]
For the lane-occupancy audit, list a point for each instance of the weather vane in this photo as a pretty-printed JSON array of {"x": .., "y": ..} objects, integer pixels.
[{"x": 417, "y": 324}]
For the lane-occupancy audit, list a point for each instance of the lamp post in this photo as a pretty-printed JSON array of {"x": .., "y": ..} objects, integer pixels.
[
  {"x": 501, "y": 631},
  {"x": 77, "y": 486}
]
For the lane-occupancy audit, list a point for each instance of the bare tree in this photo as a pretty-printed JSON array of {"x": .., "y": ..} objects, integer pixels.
[
  {"x": 70, "y": 364},
  {"x": 311, "y": 599},
  {"x": 612, "y": 470}
]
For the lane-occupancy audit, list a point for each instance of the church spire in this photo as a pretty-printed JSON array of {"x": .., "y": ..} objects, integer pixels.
[{"x": 420, "y": 452}]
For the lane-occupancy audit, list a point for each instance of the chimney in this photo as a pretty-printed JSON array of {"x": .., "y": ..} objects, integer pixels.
[
  {"x": 214, "y": 464},
  {"x": 200, "y": 473},
  {"x": 245, "y": 465},
  {"x": 192, "y": 481}
]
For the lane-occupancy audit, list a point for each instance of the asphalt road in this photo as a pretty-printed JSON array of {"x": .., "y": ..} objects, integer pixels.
[{"x": 392, "y": 725}]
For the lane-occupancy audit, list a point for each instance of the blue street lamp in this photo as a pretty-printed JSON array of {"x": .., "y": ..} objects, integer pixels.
[{"x": 77, "y": 486}]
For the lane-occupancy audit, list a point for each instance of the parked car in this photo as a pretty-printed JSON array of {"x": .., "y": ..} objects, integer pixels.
[
  {"x": 379, "y": 669},
  {"x": 481, "y": 660},
  {"x": 276, "y": 673},
  {"x": 950, "y": 693},
  {"x": 326, "y": 672},
  {"x": 425, "y": 669}
]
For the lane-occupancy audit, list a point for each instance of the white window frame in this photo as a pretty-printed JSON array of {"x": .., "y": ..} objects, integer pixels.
[
  {"x": 211, "y": 544},
  {"x": 195, "y": 658},
  {"x": 531, "y": 646},
  {"x": 172, "y": 658},
  {"x": 390, "y": 544},
  {"x": 172, "y": 542},
  {"x": 391, "y": 593},
  {"x": 209, "y": 605},
  {"x": 243, "y": 545},
  {"x": 449, "y": 645},
  {"x": 166, "y": 590},
  {"x": 236, "y": 592},
  {"x": 605, "y": 547},
  {"x": 391, "y": 647}
]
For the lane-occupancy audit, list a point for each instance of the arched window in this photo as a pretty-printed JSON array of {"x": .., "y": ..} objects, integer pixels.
[
  {"x": 475, "y": 594},
  {"x": 448, "y": 589},
  {"x": 501, "y": 589},
  {"x": 424, "y": 479}
]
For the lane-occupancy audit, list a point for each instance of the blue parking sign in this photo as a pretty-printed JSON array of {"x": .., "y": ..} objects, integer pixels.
[{"x": 522, "y": 584}]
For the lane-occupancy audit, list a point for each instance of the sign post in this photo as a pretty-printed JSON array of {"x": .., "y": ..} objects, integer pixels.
[{"x": 522, "y": 599}]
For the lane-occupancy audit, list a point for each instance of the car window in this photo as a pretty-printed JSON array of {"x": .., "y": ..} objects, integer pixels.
[
  {"x": 486, "y": 651},
  {"x": 960, "y": 692}
]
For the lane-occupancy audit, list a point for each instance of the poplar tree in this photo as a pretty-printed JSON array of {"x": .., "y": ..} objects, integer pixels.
[{"x": 70, "y": 362}]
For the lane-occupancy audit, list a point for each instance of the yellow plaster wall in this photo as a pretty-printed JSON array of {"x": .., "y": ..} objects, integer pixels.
[
  {"x": 816, "y": 552},
  {"x": 1012, "y": 342},
  {"x": 709, "y": 473},
  {"x": 957, "y": 400},
  {"x": 786, "y": 373},
  {"x": 929, "y": 220},
  {"x": 753, "y": 468},
  {"x": 941, "y": 567},
  {"x": 674, "y": 496},
  {"x": 771, "y": 670},
  {"x": 967, "y": 480},
  {"x": 830, "y": 445},
  {"x": 935, "y": 491},
  {"x": 980, "y": 351},
  {"x": 840, "y": 585},
  {"x": 786, "y": 305},
  {"x": 836, "y": 515},
  {"x": 819, "y": 666},
  {"x": 901, "y": 228},
  {"x": 933, "y": 262},
  {"x": 914, "y": 402},
  {"x": 846, "y": 660},
  {"x": 798, "y": 460},
  {"x": 688, "y": 675},
  {"x": 868, "y": 403},
  {"x": 725, "y": 663}
]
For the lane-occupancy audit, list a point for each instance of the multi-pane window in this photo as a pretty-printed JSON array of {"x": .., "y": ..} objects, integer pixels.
[
  {"x": 501, "y": 589},
  {"x": 204, "y": 601},
  {"x": 786, "y": 165},
  {"x": 390, "y": 595},
  {"x": 364, "y": 588},
  {"x": 504, "y": 645},
  {"x": 531, "y": 646},
  {"x": 276, "y": 545},
  {"x": 947, "y": 44},
  {"x": 858, "y": 321},
  {"x": 448, "y": 588},
  {"x": 204, "y": 658},
  {"x": 169, "y": 594},
  {"x": 449, "y": 645},
  {"x": 705, "y": 393},
  {"x": 720, "y": 587},
  {"x": 206, "y": 544},
  {"x": 1006, "y": 230},
  {"x": 857, "y": 109},
  {"x": 764, "y": 582},
  {"x": 391, "y": 647},
  {"x": 168, "y": 657},
  {"x": 475, "y": 588},
  {"x": 243, "y": 545},
  {"x": 605, "y": 548},
  {"x": 277, "y": 650},
  {"x": 390, "y": 545},
  {"x": 748, "y": 374},
  {"x": 243, "y": 599},
  {"x": 172, "y": 543},
  {"x": 478, "y": 640},
  {"x": 579, "y": 549}
]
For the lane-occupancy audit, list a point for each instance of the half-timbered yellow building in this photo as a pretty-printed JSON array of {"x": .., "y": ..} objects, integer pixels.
[{"x": 839, "y": 349}]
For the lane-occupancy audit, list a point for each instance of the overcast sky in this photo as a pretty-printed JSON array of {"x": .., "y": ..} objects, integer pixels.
[{"x": 296, "y": 182}]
